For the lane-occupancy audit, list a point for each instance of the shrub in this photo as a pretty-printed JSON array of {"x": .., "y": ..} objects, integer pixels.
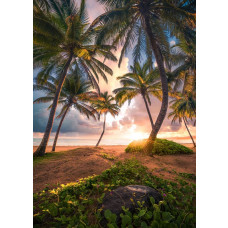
[{"x": 161, "y": 147}]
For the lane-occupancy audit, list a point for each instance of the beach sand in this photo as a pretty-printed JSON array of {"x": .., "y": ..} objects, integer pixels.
[{"x": 75, "y": 162}]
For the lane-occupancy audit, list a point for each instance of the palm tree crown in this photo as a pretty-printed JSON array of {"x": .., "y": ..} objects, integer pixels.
[
  {"x": 183, "y": 77},
  {"x": 62, "y": 32},
  {"x": 104, "y": 104},
  {"x": 76, "y": 92},
  {"x": 183, "y": 107},
  {"x": 141, "y": 81}
]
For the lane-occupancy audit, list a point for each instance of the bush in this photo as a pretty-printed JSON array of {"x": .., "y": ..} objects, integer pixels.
[
  {"x": 75, "y": 204},
  {"x": 161, "y": 147}
]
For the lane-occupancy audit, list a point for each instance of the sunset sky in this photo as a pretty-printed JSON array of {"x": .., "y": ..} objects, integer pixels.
[{"x": 131, "y": 123}]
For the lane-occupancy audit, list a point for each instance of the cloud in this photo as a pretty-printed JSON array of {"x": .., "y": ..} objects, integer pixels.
[{"x": 125, "y": 121}]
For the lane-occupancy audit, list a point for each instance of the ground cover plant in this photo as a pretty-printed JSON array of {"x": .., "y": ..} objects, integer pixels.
[
  {"x": 108, "y": 156},
  {"x": 161, "y": 147},
  {"x": 190, "y": 176},
  {"x": 75, "y": 204}
]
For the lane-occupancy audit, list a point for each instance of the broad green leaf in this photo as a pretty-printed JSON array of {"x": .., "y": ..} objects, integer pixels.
[
  {"x": 154, "y": 224},
  {"x": 144, "y": 225},
  {"x": 126, "y": 220},
  {"x": 141, "y": 213},
  {"x": 152, "y": 200},
  {"x": 166, "y": 216}
]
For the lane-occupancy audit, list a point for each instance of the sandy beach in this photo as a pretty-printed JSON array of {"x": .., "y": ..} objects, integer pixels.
[{"x": 75, "y": 162}]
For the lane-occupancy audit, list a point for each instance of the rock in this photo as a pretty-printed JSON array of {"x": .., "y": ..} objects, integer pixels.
[{"x": 127, "y": 196}]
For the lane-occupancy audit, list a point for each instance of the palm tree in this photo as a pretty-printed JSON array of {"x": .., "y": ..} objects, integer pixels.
[
  {"x": 62, "y": 37},
  {"x": 148, "y": 23},
  {"x": 183, "y": 107},
  {"x": 141, "y": 81},
  {"x": 183, "y": 77},
  {"x": 75, "y": 93},
  {"x": 105, "y": 105}
]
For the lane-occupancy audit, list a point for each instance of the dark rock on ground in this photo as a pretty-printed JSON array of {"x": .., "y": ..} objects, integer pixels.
[{"x": 128, "y": 196}]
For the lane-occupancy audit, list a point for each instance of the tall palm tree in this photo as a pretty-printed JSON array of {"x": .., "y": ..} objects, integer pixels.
[
  {"x": 141, "y": 81},
  {"x": 62, "y": 37},
  {"x": 104, "y": 104},
  {"x": 183, "y": 107},
  {"x": 75, "y": 93},
  {"x": 127, "y": 21}
]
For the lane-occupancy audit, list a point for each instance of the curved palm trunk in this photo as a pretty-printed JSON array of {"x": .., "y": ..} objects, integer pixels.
[
  {"x": 185, "y": 123},
  {"x": 164, "y": 105},
  {"x": 102, "y": 131},
  {"x": 58, "y": 130},
  {"x": 148, "y": 111},
  {"x": 42, "y": 147}
]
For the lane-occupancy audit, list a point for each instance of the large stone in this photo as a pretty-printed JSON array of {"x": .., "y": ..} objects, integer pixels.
[{"x": 128, "y": 196}]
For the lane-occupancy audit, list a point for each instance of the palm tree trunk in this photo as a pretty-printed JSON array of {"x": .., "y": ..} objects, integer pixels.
[
  {"x": 164, "y": 105},
  {"x": 102, "y": 131},
  {"x": 42, "y": 147},
  {"x": 148, "y": 111},
  {"x": 58, "y": 130},
  {"x": 185, "y": 123}
]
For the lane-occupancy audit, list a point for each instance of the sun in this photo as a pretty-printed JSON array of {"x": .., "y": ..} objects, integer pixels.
[{"x": 138, "y": 135}]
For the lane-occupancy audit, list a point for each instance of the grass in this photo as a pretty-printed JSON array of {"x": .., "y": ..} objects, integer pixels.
[
  {"x": 75, "y": 204},
  {"x": 46, "y": 157},
  {"x": 161, "y": 147}
]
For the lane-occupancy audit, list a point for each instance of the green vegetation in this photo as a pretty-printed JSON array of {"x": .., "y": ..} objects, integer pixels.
[
  {"x": 46, "y": 157},
  {"x": 75, "y": 204},
  {"x": 108, "y": 156},
  {"x": 161, "y": 147},
  {"x": 190, "y": 176}
]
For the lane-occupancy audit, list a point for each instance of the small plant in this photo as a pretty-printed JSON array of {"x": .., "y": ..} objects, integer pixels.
[
  {"x": 107, "y": 156},
  {"x": 161, "y": 147}
]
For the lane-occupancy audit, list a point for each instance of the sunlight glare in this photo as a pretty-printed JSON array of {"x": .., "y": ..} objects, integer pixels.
[{"x": 138, "y": 135}]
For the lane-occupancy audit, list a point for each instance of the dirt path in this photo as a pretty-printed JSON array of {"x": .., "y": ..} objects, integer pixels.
[{"x": 84, "y": 161}]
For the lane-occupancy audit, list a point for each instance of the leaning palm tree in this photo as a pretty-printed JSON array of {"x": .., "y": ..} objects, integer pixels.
[
  {"x": 141, "y": 81},
  {"x": 75, "y": 93},
  {"x": 183, "y": 107},
  {"x": 147, "y": 23},
  {"x": 104, "y": 105},
  {"x": 62, "y": 37}
]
